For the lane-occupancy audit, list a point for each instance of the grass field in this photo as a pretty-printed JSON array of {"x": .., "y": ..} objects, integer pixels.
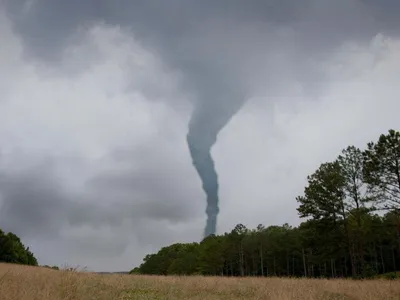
[{"x": 26, "y": 283}]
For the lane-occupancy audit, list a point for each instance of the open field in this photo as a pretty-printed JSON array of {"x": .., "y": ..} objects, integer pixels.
[{"x": 21, "y": 282}]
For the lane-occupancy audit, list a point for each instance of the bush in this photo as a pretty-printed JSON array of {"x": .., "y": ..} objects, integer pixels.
[
  {"x": 13, "y": 251},
  {"x": 391, "y": 275}
]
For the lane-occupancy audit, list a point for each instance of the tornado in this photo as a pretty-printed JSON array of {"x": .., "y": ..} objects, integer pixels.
[{"x": 207, "y": 120}]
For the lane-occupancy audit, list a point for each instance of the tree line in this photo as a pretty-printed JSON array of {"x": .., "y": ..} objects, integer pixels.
[
  {"x": 12, "y": 250},
  {"x": 351, "y": 227}
]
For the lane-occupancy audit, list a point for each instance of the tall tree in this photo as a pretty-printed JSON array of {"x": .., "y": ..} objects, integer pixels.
[
  {"x": 356, "y": 197},
  {"x": 238, "y": 234},
  {"x": 261, "y": 245},
  {"x": 382, "y": 169},
  {"x": 211, "y": 255},
  {"x": 323, "y": 197},
  {"x": 355, "y": 187},
  {"x": 324, "y": 200}
]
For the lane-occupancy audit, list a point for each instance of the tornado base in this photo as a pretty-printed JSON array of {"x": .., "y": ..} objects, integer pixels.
[{"x": 211, "y": 225}]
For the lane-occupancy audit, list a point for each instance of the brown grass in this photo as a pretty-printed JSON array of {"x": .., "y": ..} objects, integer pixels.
[{"x": 22, "y": 282}]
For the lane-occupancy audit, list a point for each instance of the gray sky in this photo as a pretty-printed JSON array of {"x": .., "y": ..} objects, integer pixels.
[{"x": 95, "y": 98}]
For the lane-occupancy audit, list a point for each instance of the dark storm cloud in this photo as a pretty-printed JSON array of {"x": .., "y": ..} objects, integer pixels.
[
  {"x": 178, "y": 29},
  {"x": 35, "y": 204},
  {"x": 148, "y": 185},
  {"x": 170, "y": 20},
  {"x": 227, "y": 50},
  {"x": 32, "y": 204}
]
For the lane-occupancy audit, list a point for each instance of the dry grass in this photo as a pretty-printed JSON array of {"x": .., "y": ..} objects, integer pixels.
[{"x": 21, "y": 282}]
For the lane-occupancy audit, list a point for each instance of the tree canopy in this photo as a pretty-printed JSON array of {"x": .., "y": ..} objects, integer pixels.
[
  {"x": 12, "y": 250},
  {"x": 351, "y": 227}
]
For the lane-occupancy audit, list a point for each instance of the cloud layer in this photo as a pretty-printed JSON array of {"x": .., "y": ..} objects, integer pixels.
[{"x": 94, "y": 111}]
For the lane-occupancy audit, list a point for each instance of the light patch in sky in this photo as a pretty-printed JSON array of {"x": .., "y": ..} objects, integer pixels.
[{"x": 94, "y": 145}]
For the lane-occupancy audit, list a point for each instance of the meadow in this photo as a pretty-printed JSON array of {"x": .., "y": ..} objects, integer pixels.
[{"x": 37, "y": 283}]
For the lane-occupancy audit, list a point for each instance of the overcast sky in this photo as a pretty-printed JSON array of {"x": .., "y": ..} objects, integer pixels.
[{"x": 96, "y": 95}]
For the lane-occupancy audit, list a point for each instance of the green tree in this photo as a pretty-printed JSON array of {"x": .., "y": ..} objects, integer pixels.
[
  {"x": 382, "y": 169},
  {"x": 12, "y": 250},
  {"x": 324, "y": 200},
  {"x": 324, "y": 195},
  {"x": 342, "y": 235},
  {"x": 187, "y": 261},
  {"x": 356, "y": 197},
  {"x": 211, "y": 255},
  {"x": 135, "y": 270}
]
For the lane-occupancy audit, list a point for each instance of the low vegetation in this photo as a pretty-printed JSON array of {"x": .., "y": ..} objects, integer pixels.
[{"x": 36, "y": 283}]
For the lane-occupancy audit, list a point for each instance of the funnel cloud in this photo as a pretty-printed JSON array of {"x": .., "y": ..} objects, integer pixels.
[
  {"x": 202, "y": 135},
  {"x": 117, "y": 105}
]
